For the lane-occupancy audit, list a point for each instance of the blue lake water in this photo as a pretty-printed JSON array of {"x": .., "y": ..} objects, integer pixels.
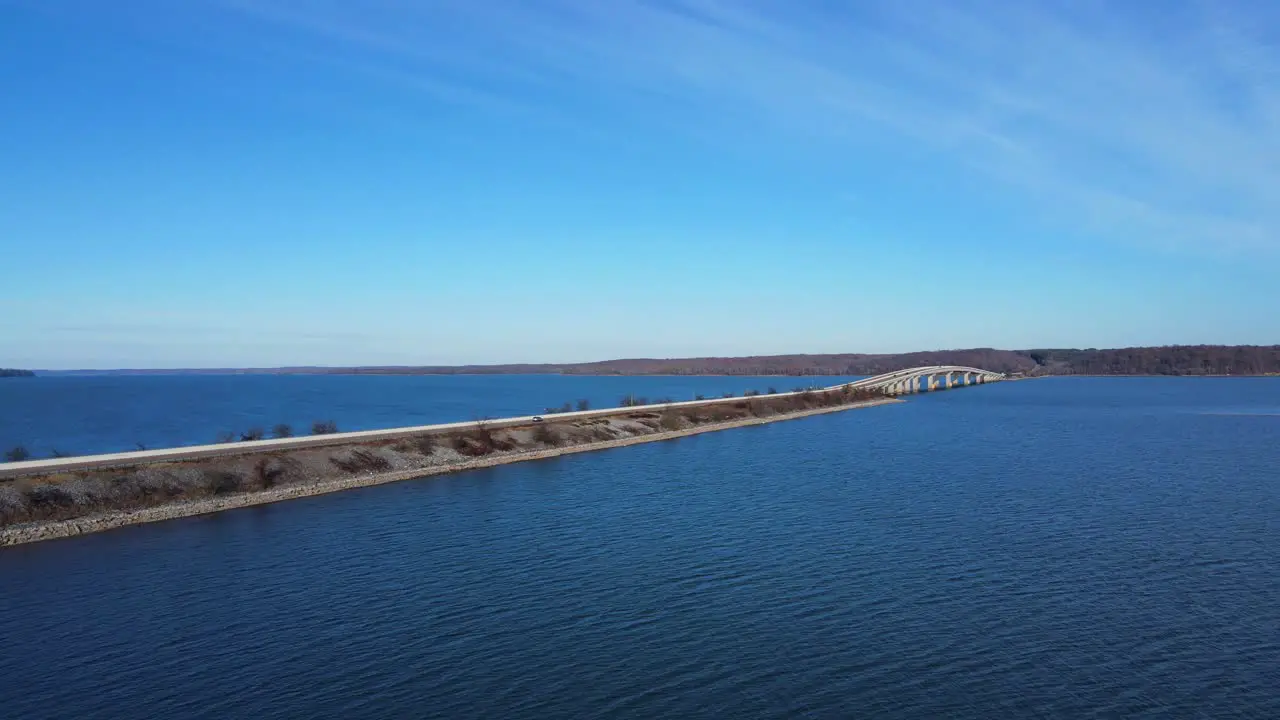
[
  {"x": 83, "y": 415},
  {"x": 1059, "y": 548}
]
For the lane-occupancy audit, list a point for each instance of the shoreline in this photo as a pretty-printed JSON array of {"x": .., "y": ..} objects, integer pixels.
[{"x": 55, "y": 529}]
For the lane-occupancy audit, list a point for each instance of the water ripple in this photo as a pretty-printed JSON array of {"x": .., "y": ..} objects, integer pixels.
[{"x": 1059, "y": 556}]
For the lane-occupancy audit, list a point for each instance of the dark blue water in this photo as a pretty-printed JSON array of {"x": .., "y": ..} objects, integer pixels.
[
  {"x": 86, "y": 415},
  {"x": 1060, "y": 548}
]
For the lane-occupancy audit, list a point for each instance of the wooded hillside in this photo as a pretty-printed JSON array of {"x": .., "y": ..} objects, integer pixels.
[{"x": 1171, "y": 360}]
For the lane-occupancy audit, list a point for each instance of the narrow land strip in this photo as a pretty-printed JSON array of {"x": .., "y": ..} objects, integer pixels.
[
  {"x": 37, "y": 531},
  {"x": 49, "y": 466}
]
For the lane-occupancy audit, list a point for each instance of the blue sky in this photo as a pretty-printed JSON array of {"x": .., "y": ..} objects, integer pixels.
[{"x": 274, "y": 182}]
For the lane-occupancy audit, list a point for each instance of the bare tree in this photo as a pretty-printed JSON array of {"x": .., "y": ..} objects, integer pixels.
[{"x": 324, "y": 427}]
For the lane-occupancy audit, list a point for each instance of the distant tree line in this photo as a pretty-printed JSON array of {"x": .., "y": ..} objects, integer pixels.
[
  {"x": 1166, "y": 360},
  {"x": 1169, "y": 360},
  {"x": 14, "y": 372}
]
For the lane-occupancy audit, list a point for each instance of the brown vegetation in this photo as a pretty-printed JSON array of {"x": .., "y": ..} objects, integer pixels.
[
  {"x": 324, "y": 427},
  {"x": 547, "y": 435},
  {"x": 359, "y": 461}
]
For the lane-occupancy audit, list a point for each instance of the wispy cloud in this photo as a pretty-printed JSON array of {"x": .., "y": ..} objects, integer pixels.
[{"x": 1158, "y": 124}]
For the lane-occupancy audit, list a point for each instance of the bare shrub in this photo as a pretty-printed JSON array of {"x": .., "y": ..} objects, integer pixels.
[
  {"x": 423, "y": 445},
  {"x": 49, "y": 497},
  {"x": 159, "y": 484},
  {"x": 222, "y": 482},
  {"x": 276, "y": 470},
  {"x": 699, "y": 397},
  {"x": 396, "y": 459},
  {"x": 13, "y": 504},
  {"x": 789, "y": 403},
  {"x": 251, "y": 434},
  {"x": 88, "y": 491},
  {"x": 547, "y": 436},
  {"x": 282, "y": 431},
  {"x": 483, "y": 441},
  {"x": 355, "y": 461},
  {"x": 482, "y": 436},
  {"x": 225, "y": 437},
  {"x": 584, "y": 405},
  {"x": 751, "y": 393},
  {"x": 720, "y": 413},
  {"x": 128, "y": 491},
  {"x": 772, "y": 390},
  {"x": 471, "y": 445},
  {"x": 324, "y": 427},
  {"x": 17, "y": 454}
]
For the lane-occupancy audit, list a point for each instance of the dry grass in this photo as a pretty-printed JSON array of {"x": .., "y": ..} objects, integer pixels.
[{"x": 359, "y": 461}]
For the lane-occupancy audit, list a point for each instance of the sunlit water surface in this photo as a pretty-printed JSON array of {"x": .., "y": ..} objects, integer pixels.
[{"x": 1056, "y": 548}]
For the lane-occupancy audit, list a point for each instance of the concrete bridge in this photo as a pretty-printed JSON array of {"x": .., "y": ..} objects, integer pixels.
[
  {"x": 900, "y": 382},
  {"x": 924, "y": 379}
]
